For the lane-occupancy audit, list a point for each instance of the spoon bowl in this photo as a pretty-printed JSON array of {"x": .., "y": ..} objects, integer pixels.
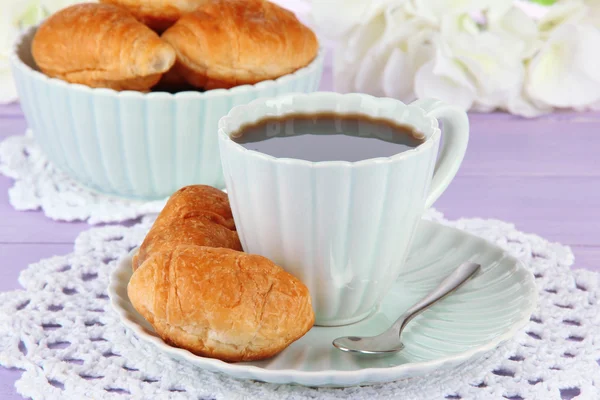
[
  {"x": 389, "y": 342},
  {"x": 369, "y": 345}
]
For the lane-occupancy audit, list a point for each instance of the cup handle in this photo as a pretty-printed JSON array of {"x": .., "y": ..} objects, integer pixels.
[{"x": 454, "y": 144}]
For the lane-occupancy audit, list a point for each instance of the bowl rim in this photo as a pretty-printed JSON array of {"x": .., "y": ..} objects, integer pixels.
[{"x": 28, "y": 34}]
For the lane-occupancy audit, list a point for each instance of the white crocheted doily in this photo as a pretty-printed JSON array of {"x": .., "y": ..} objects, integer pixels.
[
  {"x": 39, "y": 185},
  {"x": 63, "y": 333}
]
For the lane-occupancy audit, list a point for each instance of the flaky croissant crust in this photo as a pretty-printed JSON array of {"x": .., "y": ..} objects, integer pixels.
[
  {"x": 197, "y": 214},
  {"x": 101, "y": 45},
  {"x": 221, "y": 303},
  {"x": 226, "y": 43},
  {"x": 157, "y": 14}
]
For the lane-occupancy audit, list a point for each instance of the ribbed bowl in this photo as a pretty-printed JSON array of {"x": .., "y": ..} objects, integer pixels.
[
  {"x": 485, "y": 312},
  {"x": 131, "y": 144}
]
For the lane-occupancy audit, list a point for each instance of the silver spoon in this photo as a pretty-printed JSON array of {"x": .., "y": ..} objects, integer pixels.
[{"x": 389, "y": 341}]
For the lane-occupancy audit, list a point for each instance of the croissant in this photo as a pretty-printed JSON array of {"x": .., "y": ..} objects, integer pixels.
[
  {"x": 225, "y": 43},
  {"x": 157, "y": 14},
  {"x": 101, "y": 46},
  {"x": 197, "y": 214},
  {"x": 221, "y": 303}
]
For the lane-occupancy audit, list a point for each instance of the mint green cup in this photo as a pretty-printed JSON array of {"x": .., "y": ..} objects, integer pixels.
[{"x": 135, "y": 145}]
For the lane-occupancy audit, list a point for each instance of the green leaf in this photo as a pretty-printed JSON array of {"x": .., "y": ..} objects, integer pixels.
[{"x": 544, "y": 2}]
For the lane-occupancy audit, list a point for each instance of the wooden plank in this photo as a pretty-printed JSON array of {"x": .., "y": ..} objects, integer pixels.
[
  {"x": 562, "y": 209},
  {"x": 17, "y": 256},
  {"x": 500, "y": 182},
  {"x": 587, "y": 257},
  {"x": 532, "y": 148},
  {"x": 10, "y": 110},
  {"x": 32, "y": 226},
  {"x": 12, "y": 126},
  {"x": 7, "y": 384}
]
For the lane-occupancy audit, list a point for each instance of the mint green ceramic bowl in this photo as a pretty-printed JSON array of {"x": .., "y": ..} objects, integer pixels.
[{"x": 131, "y": 144}]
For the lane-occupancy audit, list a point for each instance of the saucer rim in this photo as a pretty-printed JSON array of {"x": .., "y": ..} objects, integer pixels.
[{"x": 330, "y": 377}]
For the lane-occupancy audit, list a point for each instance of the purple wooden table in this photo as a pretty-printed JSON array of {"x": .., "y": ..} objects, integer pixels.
[{"x": 542, "y": 174}]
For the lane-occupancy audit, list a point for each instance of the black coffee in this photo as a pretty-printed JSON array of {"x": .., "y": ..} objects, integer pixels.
[{"x": 328, "y": 137}]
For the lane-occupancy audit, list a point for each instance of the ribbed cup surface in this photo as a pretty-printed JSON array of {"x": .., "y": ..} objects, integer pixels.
[{"x": 343, "y": 228}]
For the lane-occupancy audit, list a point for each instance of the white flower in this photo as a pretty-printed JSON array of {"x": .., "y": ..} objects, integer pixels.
[
  {"x": 583, "y": 12},
  {"x": 532, "y": 9},
  {"x": 518, "y": 26},
  {"x": 335, "y": 18},
  {"x": 443, "y": 78},
  {"x": 351, "y": 52},
  {"x": 566, "y": 71},
  {"x": 562, "y": 12},
  {"x": 382, "y": 56},
  {"x": 492, "y": 59},
  {"x": 477, "y": 54},
  {"x": 14, "y": 16},
  {"x": 400, "y": 82},
  {"x": 402, "y": 52},
  {"x": 479, "y": 66},
  {"x": 519, "y": 102},
  {"x": 436, "y": 10},
  {"x": 549, "y": 69}
]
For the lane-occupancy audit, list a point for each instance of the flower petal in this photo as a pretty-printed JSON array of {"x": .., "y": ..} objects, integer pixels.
[
  {"x": 350, "y": 53},
  {"x": 519, "y": 27},
  {"x": 566, "y": 72},
  {"x": 363, "y": 38},
  {"x": 369, "y": 77},
  {"x": 448, "y": 67},
  {"x": 519, "y": 103},
  {"x": 435, "y": 10},
  {"x": 428, "y": 84},
  {"x": 561, "y": 13},
  {"x": 535, "y": 10},
  {"x": 420, "y": 48},
  {"x": 343, "y": 72},
  {"x": 401, "y": 25},
  {"x": 398, "y": 76},
  {"x": 335, "y": 18},
  {"x": 492, "y": 59}
]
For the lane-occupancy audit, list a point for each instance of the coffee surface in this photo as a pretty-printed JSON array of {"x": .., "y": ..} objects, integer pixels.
[{"x": 328, "y": 137}]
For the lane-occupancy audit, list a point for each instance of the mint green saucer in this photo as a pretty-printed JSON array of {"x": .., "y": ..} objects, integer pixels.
[{"x": 487, "y": 311}]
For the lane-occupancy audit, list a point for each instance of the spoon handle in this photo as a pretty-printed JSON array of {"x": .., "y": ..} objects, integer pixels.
[{"x": 452, "y": 282}]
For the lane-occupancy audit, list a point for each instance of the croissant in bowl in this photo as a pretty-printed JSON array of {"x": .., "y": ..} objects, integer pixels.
[
  {"x": 227, "y": 43},
  {"x": 101, "y": 46},
  {"x": 157, "y": 14}
]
